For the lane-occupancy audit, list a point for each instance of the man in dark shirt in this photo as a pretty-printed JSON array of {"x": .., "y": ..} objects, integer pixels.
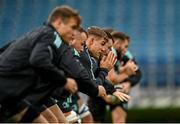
[
  {"x": 25, "y": 61},
  {"x": 125, "y": 74},
  {"x": 67, "y": 61},
  {"x": 98, "y": 67}
]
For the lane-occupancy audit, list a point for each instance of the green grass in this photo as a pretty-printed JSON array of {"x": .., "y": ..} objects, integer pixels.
[{"x": 151, "y": 115}]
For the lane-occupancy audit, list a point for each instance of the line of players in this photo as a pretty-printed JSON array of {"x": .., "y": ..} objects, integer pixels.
[{"x": 42, "y": 73}]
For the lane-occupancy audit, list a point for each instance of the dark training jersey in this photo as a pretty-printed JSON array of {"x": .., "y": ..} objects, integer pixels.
[
  {"x": 26, "y": 60},
  {"x": 133, "y": 79},
  {"x": 96, "y": 104},
  {"x": 70, "y": 64},
  {"x": 98, "y": 74}
]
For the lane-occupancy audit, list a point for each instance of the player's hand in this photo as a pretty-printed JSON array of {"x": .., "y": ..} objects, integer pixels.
[
  {"x": 102, "y": 91},
  {"x": 122, "y": 96},
  {"x": 108, "y": 99},
  {"x": 130, "y": 68},
  {"x": 71, "y": 85},
  {"x": 126, "y": 87},
  {"x": 108, "y": 61}
]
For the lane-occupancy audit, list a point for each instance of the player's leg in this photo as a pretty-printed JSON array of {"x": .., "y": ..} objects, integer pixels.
[
  {"x": 119, "y": 115},
  {"x": 49, "y": 115},
  {"x": 84, "y": 113}
]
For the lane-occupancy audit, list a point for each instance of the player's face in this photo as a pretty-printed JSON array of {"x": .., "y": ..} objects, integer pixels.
[
  {"x": 98, "y": 47},
  {"x": 79, "y": 41},
  {"x": 67, "y": 29},
  {"x": 124, "y": 46},
  {"x": 108, "y": 47},
  {"x": 121, "y": 46}
]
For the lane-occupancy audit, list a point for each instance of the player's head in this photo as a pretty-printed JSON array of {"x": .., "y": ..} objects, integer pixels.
[
  {"x": 109, "y": 43},
  {"x": 65, "y": 20},
  {"x": 121, "y": 41},
  {"x": 96, "y": 42},
  {"x": 79, "y": 40}
]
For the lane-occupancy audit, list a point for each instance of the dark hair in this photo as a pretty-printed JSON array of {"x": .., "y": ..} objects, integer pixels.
[
  {"x": 120, "y": 35},
  {"x": 82, "y": 30},
  {"x": 110, "y": 30},
  {"x": 94, "y": 30},
  {"x": 109, "y": 35},
  {"x": 64, "y": 12}
]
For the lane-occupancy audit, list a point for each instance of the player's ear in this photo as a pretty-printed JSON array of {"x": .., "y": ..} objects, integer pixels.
[
  {"x": 91, "y": 40},
  {"x": 59, "y": 21}
]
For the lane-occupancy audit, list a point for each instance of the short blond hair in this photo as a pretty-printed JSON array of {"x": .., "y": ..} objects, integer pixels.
[{"x": 98, "y": 32}]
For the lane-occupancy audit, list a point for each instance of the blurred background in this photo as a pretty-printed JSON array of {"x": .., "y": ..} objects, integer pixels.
[{"x": 154, "y": 28}]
